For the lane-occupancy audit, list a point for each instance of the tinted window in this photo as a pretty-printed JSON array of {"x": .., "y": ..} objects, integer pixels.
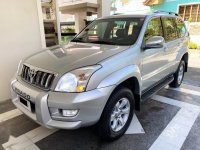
[
  {"x": 170, "y": 29},
  {"x": 114, "y": 31},
  {"x": 154, "y": 28},
  {"x": 181, "y": 27}
]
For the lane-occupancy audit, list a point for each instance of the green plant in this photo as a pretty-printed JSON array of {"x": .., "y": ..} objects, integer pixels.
[
  {"x": 193, "y": 45},
  {"x": 190, "y": 19},
  {"x": 66, "y": 39},
  {"x": 68, "y": 30}
]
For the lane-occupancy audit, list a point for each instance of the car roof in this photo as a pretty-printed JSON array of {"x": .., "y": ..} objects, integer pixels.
[
  {"x": 155, "y": 14},
  {"x": 125, "y": 16}
]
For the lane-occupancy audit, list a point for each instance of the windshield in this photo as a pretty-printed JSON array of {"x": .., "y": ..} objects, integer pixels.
[{"x": 115, "y": 31}]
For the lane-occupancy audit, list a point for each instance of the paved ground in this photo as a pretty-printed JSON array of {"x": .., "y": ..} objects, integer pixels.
[{"x": 169, "y": 121}]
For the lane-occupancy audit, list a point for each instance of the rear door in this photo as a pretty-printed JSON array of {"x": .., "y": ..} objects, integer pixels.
[
  {"x": 153, "y": 59},
  {"x": 172, "y": 43},
  {"x": 183, "y": 36}
]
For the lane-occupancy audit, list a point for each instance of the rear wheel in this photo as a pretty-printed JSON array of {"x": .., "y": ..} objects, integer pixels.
[
  {"x": 117, "y": 114},
  {"x": 178, "y": 76}
]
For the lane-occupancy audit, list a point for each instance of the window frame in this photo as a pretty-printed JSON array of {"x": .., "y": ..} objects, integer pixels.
[
  {"x": 155, "y": 17},
  {"x": 186, "y": 32},
  {"x": 164, "y": 28},
  {"x": 143, "y": 41}
]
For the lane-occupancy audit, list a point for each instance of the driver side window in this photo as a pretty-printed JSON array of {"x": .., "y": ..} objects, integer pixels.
[{"x": 154, "y": 28}]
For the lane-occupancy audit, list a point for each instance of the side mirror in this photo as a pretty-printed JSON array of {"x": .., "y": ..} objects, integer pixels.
[{"x": 154, "y": 42}]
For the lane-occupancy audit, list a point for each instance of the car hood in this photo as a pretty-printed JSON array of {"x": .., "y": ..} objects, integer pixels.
[{"x": 61, "y": 59}]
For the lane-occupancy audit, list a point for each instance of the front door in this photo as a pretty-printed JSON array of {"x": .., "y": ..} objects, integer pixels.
[{"x": 154, "y": 58}]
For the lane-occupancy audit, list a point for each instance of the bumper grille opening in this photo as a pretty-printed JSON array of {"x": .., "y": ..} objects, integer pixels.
[{"x": 40, "y": 79}]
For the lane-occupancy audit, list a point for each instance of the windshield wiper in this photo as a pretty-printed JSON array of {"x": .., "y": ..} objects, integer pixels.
[
  {"x": 104, "y": 42},
  {"x": 96, "y": 42},
  {"x": 78, "y": 40}
]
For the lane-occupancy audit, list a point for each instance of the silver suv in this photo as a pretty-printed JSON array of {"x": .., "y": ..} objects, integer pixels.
[{"x": 102, "y": 76}]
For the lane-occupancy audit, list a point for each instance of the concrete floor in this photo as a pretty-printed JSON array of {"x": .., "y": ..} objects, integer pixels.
[{"x": 169, "y": 121}]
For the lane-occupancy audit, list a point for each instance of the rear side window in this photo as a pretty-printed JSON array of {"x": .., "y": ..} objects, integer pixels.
[
  {"x": 181, "y": 27},
  {"x": 170, "y": 29},
  {"x": 154, "y": 28}
]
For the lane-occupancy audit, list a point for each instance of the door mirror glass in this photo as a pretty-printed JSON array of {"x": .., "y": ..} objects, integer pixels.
[{"x": 155, "y": 42}]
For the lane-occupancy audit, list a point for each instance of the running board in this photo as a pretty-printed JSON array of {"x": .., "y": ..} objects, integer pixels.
[{"x": 156, "y": 88}]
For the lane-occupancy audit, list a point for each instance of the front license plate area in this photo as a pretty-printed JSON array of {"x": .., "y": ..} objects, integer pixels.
[{"x": 25, "y": 103}]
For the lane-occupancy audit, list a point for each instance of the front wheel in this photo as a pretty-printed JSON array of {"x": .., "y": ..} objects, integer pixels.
[
  {"x": 117, "y": 114},
  {"x": 178, "y": 76}
]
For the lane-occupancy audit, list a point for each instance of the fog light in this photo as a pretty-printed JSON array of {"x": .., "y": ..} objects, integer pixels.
[{"x": 69, "y": 113}]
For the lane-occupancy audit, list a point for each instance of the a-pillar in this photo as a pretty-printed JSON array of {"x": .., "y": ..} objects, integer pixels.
[
  {"x": 80, "y": 18},
  {"x": 104, "y": 8}
]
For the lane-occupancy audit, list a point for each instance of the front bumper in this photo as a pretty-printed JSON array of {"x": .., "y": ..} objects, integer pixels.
[{"x": 47, "y": 105}]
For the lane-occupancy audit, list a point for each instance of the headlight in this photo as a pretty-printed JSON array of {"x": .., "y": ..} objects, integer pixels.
[{"x": 76, "y": 81}]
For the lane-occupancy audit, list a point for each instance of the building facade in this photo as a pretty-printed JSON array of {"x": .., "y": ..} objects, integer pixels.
[{"x": 189, "y": 10}]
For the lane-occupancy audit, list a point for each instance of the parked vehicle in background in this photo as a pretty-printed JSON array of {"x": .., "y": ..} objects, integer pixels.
[{"x": 102, "y": 76}]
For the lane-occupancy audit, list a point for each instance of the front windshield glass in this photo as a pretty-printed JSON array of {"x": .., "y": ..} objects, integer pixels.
[{"x": 115, "y": 31}]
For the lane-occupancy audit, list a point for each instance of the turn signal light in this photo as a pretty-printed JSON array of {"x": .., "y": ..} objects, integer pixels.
[{"x": 80, "y": 88}]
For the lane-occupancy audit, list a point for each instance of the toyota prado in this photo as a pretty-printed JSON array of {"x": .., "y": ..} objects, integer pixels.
[{"x": 102, "y": 76}]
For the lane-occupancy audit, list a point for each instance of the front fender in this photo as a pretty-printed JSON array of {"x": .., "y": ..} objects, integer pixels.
[{"x": 121, "y": 75}]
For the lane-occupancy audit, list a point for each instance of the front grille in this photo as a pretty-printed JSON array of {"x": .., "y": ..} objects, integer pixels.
[{"x": 37, "y": 78}]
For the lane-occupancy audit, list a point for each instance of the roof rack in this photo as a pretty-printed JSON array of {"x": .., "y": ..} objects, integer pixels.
[
  {"x": 118, "y": 14},
  {"x": 162, "y": 11}
]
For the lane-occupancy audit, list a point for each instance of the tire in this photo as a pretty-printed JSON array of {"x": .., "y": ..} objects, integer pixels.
[
  {"x": 106, "y": 126},
  {"x": 177, "y": 75}
]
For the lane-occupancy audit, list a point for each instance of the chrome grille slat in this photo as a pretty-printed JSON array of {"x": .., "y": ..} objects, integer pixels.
[
  {"x": 49, "y": 79},
  {"x": 23, "y": 72},
  {"x": 40, "y": 79},
  {"x": 26, "y": 73},
  {"x": 43, "y": 79}
]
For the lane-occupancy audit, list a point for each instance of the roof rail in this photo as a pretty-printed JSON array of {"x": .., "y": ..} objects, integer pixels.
[
  {"x": 118, "y": 14},
  {"x": 162, "y": 11}
]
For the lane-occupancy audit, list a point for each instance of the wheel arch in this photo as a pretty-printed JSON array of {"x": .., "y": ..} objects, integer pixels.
[
  {"x": 129, "y": 77},
  {"x": 185, "y": 58},
  {"x": 133, "y": 84}
]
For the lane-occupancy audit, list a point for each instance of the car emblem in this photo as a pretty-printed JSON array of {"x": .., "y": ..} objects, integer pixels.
[{"x": 32, "y": 73}]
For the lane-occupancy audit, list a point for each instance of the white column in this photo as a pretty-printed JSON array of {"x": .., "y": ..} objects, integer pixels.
[
  {"x": 41, "y": 24},
  {"x": 79, "y": 20},
  {"x": 58, "y": 21},
  {"x": 104, "y": 8}
]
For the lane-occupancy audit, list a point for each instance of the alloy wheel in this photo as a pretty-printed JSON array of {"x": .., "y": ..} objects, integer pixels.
[{"x": 120, "y": 114}]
